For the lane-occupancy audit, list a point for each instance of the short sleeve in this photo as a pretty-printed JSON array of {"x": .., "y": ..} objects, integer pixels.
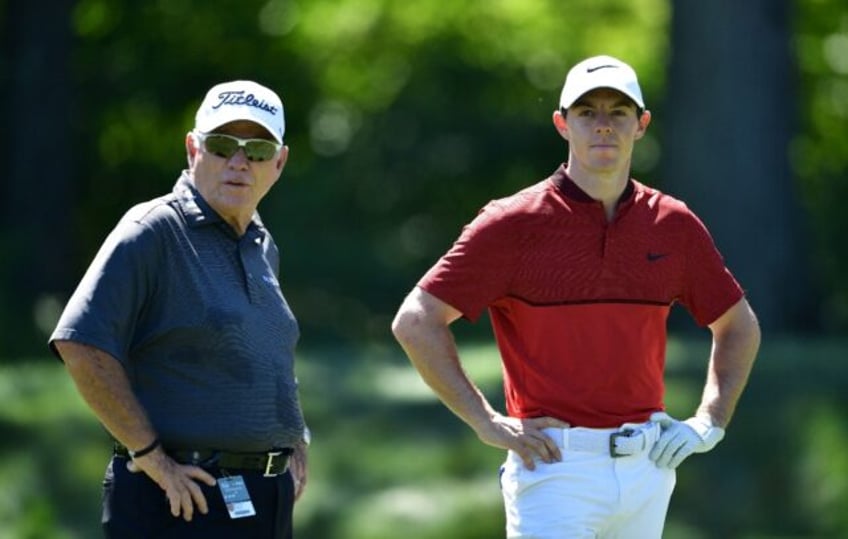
[
  {"x": 478, "y": 268},
  {"x": 709, "y": 287},
  {"x": 106, "y": 305}
]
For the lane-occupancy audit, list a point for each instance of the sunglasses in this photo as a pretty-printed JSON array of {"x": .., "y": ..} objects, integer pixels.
[{"x": 226, "y": 146}]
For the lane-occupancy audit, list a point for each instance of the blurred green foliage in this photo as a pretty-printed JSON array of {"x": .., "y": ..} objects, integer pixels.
[
  {"x": 387, "y": 459},
  {"x": 820, "y": 150},
  {"x": 404, "y": 118}
]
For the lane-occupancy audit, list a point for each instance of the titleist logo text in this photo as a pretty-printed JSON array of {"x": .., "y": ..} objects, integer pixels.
[{"x": 238, "y": 98}]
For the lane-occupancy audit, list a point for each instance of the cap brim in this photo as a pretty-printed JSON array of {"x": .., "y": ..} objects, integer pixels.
[{"x": 206, "y": 126}]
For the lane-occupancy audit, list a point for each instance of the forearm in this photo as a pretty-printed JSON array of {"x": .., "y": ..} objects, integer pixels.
[
  {"x": 432, "y": 351},
  {"x": 103, "y": 384},
  {"x": 732, "y": 357}
]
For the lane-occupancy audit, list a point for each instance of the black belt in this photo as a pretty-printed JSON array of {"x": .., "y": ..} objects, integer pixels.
[{"x": 270, "y": 463}]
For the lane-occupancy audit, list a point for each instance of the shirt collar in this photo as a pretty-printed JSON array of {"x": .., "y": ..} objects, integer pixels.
[
  {"x": 571, "y": 190},
  {"x": 193, "y": 207}
]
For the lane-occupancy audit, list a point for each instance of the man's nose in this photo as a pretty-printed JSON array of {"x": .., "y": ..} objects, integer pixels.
[
  {"x": 239, "y": 159},
  {"x": 603, "y": 126}
]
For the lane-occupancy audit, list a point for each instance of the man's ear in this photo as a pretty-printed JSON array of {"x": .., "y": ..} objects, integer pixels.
[
  {"x": 560, "y": 123},
  {"x": 283, "y": 159},
  {"x": 191, "y": 148},
  {"x": 644, "y": 121}
]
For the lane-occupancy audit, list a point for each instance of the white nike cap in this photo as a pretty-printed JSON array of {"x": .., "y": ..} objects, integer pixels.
[
  {"x": 241, "y": 100},
  {"x": 600, "y": 72}
]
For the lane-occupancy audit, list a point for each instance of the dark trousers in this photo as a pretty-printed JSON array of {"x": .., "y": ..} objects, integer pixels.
[{"x": 134, "y": 507}]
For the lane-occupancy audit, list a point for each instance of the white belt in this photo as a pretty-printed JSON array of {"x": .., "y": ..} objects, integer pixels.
[{"x": 630, "y": 439}]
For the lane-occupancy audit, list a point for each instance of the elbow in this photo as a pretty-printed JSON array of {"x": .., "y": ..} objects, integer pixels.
[
  {"x": 739, "y": 325},
  {"x": 421, "y": 318},
  {"x": 753, "y": 330},
  {"x": 746, "y": 335},
  {"x": 757, "y": 332},
  {"x": 403, "y": 325}
]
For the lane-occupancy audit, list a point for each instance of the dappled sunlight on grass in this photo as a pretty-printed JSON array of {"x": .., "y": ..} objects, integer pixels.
[
  {"x": 51, "y": 466},
  {"x": 25, "y": 511},
  {"x": 39, "y": 391},
  {"x": 15, "y": 473},
  {"x": 428, "y": 510},
  {"x": 483, "y": 364},
  {"x": 401, "y": 383},
  {"x": 395, "y": 446},
  {"x": 823, "y": 467},
  {"x": 380, "y": 371},
  {"x": 388, "y": 459}
]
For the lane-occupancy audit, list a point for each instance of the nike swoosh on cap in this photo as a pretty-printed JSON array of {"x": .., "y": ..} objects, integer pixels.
[{"x": 593, "y": 69}]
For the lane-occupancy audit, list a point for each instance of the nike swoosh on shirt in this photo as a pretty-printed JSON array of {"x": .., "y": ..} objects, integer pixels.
[{"x": 653, "y": 257}]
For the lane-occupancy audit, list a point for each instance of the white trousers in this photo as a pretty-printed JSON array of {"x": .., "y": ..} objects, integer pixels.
[{"x": 588, "y": 495}]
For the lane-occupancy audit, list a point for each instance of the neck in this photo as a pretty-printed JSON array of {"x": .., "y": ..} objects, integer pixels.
[
  {"x": 604, "y": 186},
  {"x": 238, "y": 225}
]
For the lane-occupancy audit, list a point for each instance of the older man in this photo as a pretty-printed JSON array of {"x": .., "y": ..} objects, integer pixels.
[{"x": 180, "y": 340}]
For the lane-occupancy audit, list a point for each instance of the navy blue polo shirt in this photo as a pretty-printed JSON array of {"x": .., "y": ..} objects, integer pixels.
[{"x": 196, "y": 316}]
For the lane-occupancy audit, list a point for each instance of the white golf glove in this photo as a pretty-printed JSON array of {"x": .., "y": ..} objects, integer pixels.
[{"x": 679, "y": 439}]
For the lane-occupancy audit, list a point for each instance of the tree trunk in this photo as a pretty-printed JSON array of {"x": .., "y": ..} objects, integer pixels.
[
  {"x": 730, "y": 115},
  {"x": 36, "y": 219}
]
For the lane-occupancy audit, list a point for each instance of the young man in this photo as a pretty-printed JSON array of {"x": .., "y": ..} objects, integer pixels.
[
  {"x": 180, "y": 340},
  {"x": 579, "y": 273}
]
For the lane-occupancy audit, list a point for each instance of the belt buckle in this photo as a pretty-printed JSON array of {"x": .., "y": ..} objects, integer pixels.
[
  {"x": 270, "y": 463},
  {"x": 195, "y": 460},
  {"x": 613, "y": 449}
]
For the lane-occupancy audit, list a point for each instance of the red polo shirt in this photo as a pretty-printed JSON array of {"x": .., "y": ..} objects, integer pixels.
[{"x": 578, "y": 304}]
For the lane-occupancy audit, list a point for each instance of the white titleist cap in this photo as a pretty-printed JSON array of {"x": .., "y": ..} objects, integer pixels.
[
  {"x": 241, "y": 100},
  {"x": 600, "y": 72}
]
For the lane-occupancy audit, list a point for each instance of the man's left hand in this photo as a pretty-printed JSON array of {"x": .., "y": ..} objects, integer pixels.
[{"x": 679, "y": 439}]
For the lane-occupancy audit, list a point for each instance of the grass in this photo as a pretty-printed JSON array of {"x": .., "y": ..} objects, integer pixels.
[{"x": 388, "y": 459}]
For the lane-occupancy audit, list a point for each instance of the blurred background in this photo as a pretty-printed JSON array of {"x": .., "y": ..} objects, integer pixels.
[{"x": 404, "y": 118}]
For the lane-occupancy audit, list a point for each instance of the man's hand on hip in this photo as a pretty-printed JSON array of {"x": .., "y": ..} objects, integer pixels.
[
  {"x": 679, "y": 439},
  {"x": 525, "y": 437},
  {"x": 179, "y": 481}
]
